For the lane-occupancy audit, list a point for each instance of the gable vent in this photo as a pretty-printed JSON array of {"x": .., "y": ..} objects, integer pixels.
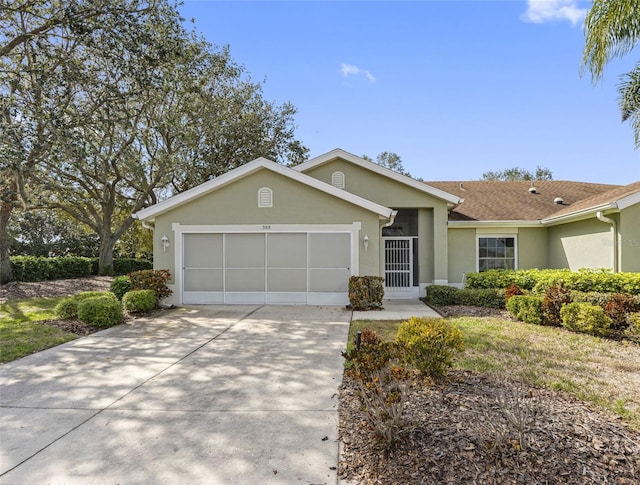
[
  {"x": 265, "y": 197},
  {"x": 337, "y": 180}
]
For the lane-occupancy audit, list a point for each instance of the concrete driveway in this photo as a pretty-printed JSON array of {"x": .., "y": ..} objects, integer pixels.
[{"x": 210, "y": 394}]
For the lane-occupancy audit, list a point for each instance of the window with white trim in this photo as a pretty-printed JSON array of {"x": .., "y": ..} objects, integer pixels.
[
  {"x": 337, "y": 180},
  {"x": 496, "y": 252},
  {"x": 265, "y": 197}
]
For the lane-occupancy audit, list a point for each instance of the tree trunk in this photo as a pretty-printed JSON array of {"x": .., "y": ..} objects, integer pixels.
[
  {"x": 105, "y": 262},
  {"x": 6, "y": 272}
]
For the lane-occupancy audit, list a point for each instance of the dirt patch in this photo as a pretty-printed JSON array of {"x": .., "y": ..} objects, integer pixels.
[
  {"x": 464, "y": 432},
  {"x": 45, "y": 289}
]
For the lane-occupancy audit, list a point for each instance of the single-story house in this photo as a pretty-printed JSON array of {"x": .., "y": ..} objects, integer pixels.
[{"x": 266, "y": 233}]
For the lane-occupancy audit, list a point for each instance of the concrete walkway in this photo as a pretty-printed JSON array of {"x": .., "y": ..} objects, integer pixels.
[
  {"x": 398, "y": 310},
  {"x": 216, "y": 395}
]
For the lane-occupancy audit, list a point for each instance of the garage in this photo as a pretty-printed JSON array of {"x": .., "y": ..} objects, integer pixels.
[{"x": 268, "y": 267}]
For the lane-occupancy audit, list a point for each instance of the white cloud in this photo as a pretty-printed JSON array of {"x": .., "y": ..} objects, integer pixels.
[
  {"x": 540, "y": 11},
  {"x": 351, "y": 70}
]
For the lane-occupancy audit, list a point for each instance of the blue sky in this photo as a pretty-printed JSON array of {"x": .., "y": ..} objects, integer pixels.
[{"x": 456, "y": 88}]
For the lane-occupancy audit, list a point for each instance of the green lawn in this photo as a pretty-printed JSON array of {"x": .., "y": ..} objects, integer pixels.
[
  {"x": 602, "y": 372},
  {"x": 20, "y": 332}
]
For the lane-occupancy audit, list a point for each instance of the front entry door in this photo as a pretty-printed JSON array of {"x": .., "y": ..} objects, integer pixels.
[{"x": 398, "y": 268}]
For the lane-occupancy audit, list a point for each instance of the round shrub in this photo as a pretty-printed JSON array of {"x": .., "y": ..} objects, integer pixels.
[
  {"x": 120, "y": 285},
  {"x": 139, "y": 301},
  {"x": 429, "y": 344},
  {"x": 526, "y": 308},
  {"x": 67, "y": 308},
  {"x": 100, "y": 311},
  {"x": 585, "y": 318},
  {"x": 632, "y": 332}
]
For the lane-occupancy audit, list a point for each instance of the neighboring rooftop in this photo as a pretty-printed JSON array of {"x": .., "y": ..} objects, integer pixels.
[{"x": 528, "y": 200}]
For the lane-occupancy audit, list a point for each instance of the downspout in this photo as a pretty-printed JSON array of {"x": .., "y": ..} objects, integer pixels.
[
  {"x": 146, "y": 225},
  {"x": 392, "y": 219},
  {"x": 602, "y": 218}
]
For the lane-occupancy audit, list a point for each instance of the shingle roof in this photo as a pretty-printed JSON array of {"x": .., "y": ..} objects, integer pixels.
[{"x": 513, "y": 201}]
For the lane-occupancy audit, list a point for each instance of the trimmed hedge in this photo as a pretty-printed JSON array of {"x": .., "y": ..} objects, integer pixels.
[
  {"x": 139, "y": 301},
  {"x": 366, "y": 292},
  {"x": 586, "y": 318},
  {"x": 526, "y": 308},
  {"x": 439, "y": 295},
  {"x": 100, "y": 311},
  {"x": 68, "y": 307},
  {"x": 537, "y": 280},
  {"x": 32, "y": 268}
]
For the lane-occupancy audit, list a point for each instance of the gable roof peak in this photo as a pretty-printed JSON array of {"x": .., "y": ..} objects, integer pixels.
[{"x": 339, "y": 153}]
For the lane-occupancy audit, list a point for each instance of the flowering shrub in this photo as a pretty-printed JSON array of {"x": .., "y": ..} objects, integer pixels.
[{"x": 151, "y": 279}]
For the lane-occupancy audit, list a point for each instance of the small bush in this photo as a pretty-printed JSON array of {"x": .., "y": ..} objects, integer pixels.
[
  {"x": 383, "y": 404},
  {"x": 617, "y": 309},
  {"x": 555, "y": 298},
  {"x": 366, "y": 292},
  {"x": 593, "y": 297},
  {"x": 120, "y": 285},
  {"x": 489, "y": 298},
  {"x": 429, "y": 344},
  {"x": 151, "y": 279},
  {"x": 525, "y": 308},
  {"x": 139, "y": 301},
  {"x": 440, "y": 295},
  {"x": 68, "y": 307},
  {"x": 632, "y": 332},
  {"x": 372, "y": 356},
  {"x": 512, "y": 290},
  {"x": 585, "y": 318},
  {"x": 100, "y": 312}
]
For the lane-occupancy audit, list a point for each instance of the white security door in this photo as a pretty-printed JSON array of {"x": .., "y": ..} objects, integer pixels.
[{"x": 398, "y": 267}]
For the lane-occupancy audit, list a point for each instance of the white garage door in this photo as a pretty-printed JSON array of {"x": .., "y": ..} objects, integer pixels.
[{"x": 292, "y": 268}]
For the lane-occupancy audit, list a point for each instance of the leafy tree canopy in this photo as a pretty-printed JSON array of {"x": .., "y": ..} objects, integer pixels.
[
  {"x": 612, "y": 29},
  {"x": 389, "y": 160},
  {"x": 518, "y": 173}
]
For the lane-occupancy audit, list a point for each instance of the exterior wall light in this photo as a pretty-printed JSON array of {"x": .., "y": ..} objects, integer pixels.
[
  {"x": 365, "y": 242},
  {"x": 165, "y": 242}
]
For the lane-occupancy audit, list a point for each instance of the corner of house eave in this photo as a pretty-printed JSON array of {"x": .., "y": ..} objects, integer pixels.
[{"x": 580, "y": 215}]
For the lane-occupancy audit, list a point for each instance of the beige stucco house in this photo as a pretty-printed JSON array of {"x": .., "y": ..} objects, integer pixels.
[{"x": 266, "y": 233}]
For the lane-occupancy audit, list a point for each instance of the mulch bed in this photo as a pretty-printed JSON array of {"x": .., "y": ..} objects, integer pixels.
[
  {"x": 46, "y": 289},
  {"x": 460, "y": 434}
]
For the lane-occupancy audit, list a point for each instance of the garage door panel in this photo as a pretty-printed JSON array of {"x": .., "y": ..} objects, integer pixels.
[
  {"x": 286, "y": 268},
  {"x": 287, "y": 250},
  {"x": 329, "y": 250},
  {"x": 203, "y": 250},
  {"x": 204, "y": 279},
  {"x": 287, "y": 280},
  {"x": 244, "y": 250},
  {"x": 244, "y": 280},
  {"x": 330, "y": 280}
]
